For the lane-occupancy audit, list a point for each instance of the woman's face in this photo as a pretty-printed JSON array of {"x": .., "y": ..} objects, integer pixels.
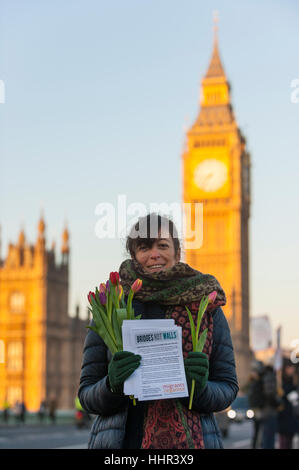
[{"x": 159, "y": 257}]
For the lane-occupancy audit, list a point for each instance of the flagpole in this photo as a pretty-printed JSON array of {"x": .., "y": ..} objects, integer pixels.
[{"x": 278, "y": 362}]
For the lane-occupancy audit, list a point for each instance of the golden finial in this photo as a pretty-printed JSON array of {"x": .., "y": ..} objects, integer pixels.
[
  {"x": 41, "y": 224},
  {"x": 215, "y": 27},
  {"x": 65, "y": 240}
]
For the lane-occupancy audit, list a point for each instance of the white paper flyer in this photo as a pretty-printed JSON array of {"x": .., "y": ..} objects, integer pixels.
[{"x": 161, "y": 373}]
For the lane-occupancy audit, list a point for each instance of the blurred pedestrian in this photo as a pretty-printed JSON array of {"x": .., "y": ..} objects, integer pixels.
[
  {"x": 17, "y": 411},
  {"x": 256, "y": 400},
  {"x": 6, "y": 411},
  {"x": 52, "y": 409},
  {"x": 287, "y": 419},
  {"x": 42, "y": 411},
  {"x": 82, "y": 418},
  {"x": 23, "y": 412},
  {"x": 270, "y": 408}
]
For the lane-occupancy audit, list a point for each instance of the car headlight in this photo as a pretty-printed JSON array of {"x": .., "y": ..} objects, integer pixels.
[
  {"x": 250, "y": 414},
  {"x": 231, "y": 414}
]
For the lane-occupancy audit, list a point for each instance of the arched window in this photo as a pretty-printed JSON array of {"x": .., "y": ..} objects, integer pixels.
[
  {"x": 15, "y": 356},
  {"x": 2, "y": 352},
  {"x": 17, "y": 302}
]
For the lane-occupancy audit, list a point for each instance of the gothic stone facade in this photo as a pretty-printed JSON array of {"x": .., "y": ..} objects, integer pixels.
[{"x": 42, "y": 343}]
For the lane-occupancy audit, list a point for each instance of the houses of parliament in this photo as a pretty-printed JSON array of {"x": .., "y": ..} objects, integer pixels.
[{"x": 43, "y": 344}]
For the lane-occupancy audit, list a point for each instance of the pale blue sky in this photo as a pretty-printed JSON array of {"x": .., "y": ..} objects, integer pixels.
[{"x": 97, "y": 97}]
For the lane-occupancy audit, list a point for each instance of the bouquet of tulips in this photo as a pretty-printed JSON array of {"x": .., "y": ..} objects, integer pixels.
[
  {"x": 198, "y": 341},
  {"x": 109, "y": 309}
]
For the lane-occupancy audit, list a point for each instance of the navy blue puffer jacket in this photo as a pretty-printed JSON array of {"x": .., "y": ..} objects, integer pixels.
[{"x": 109, "y": 428}]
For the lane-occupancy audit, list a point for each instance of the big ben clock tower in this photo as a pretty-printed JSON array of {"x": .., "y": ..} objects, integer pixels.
[{"x": 216, "y": 169}]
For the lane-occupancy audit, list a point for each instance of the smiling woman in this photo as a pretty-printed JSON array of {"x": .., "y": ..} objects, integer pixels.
[
  {"x": 153, "y": 242},
  {"x": 169, "y": 289}
]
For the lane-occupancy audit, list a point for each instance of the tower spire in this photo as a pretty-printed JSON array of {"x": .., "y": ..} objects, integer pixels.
[
  {"x": 41, "y": 235},
  {"x": 215, "y": 68},
  {"x": 215, "y": 105},
  {"x": 215, "y": 27}
]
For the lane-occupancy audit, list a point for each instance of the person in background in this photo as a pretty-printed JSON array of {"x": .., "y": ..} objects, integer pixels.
[
  {"x": 23, "y": 412},
  {"x": 271, "y": 406},
  {"x": 168, "y": 286},
  {"x": 17, "y": 411},
  {"x": 287, "y": 419},
  {"x": 52, "y": 409},
  {"x": 42, "y": 411},
  {"x": 256, "y": 400},
  {"x": 6, "y": 411},
  {"x": 82, "y": 418}
]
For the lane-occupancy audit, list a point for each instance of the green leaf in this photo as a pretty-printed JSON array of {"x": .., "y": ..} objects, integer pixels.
[
  {"x": 203, "y": 306},
  {"x": 97, "y": 299},
  {"x": 93, "y": 328},
  {"x": 114, "y": 296},
  {"x": 97, "y": 302},
  {"x": 109, "y": 301},
  {"x": 192, "y": 327},
  {"x": 106, "y": 338},
  {"x": 117, "y": 330},
  {"x": 121, "y": 315},
  {"x": 103, "y": 323},
  {"x": 96, "y": 317},
  {"x": 138, "y": 317},
  {"x": 123, "y": 303},
  {"x": 202, "y": 340},
  {"x": 201, "y": 310},
  {"x": 132, "y": 314}
]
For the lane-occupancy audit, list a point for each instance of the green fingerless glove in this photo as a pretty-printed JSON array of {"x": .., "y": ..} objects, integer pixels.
[
  {"x": 122, "y": 365},
  {"x": 197, "y": 368}
]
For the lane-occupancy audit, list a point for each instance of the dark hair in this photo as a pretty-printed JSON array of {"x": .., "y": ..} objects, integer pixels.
[{"x": 148, "y": 229}]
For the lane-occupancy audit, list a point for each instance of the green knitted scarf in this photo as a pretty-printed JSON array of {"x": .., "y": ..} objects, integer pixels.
[{"x": 178, "y": 285}]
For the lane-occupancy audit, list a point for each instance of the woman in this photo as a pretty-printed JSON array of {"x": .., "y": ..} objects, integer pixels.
[{"x": 168, "y": 286}]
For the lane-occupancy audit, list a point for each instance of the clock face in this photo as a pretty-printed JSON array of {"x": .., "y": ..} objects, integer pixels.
[{"x": 210, "y": 175}]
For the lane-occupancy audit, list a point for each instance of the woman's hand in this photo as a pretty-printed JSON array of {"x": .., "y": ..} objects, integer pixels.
[
  {"x": 197, "y": 368},
  {"x": 122, "y": 365}
]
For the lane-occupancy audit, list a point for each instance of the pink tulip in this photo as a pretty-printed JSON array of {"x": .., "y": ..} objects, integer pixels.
[
  {"x": 212, "y": 297},
  {"x": 102, "y": 288},
  {"x": 136, "y": 286}
]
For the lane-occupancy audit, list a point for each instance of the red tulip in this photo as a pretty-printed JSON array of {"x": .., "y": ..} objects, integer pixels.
[
  {"x": 114, "y": 278},
  {"x": 91, "y": 294},
  {"x": 136, "y": 286},
  {"x": 212, "y": 296}
]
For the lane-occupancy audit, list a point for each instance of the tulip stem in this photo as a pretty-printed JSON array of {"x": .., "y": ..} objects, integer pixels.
[
  {"x": 133, "y": 398},
  {"x": 191, "y": 394}
]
